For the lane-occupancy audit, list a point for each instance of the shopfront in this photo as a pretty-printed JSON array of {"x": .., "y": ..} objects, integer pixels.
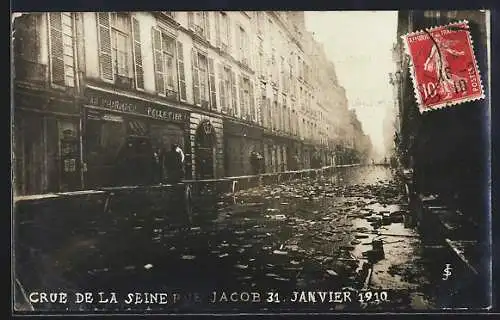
[
  {"x": 127, "y": 139},
  {"x": 46, "y": 145},
  {"x": 242, "y": 147}
]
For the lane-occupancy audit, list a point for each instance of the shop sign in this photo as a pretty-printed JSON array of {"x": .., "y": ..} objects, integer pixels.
[{"x": 134, "y": 106}]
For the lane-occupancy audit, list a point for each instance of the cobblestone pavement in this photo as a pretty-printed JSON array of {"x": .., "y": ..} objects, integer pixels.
[{"x": 270, "y": 242}]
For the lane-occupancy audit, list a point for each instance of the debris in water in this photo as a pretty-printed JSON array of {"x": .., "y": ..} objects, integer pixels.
[
  {"x": 272, "y": 275},
  {"x": 361, "y": 236},
  {"x": 332, "y": 273},
  {"x": 188, "y": 257},
  {"x": 148, "y": 266},
  {"x": 279, "y": 252}
]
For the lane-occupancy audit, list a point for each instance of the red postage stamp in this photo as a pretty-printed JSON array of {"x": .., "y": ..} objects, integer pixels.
[{"x": 443, "y": 66}]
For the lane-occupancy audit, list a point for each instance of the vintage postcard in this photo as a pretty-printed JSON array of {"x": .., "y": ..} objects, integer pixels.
[{"x": 233, "y": 162}]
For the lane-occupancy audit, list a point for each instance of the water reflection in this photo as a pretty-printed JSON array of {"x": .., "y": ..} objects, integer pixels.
[{"x": 303, "y": 234}]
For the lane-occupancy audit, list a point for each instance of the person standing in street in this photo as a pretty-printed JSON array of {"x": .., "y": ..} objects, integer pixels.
[{"x": 174, "y": 164}]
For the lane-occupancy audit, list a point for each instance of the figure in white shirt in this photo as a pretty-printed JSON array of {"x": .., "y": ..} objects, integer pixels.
[
  {"x": 438, "y": 62},
  {"x": 179, "y": 151}
]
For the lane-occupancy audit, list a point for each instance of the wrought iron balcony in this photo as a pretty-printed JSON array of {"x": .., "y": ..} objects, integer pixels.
[
  {"x": 29, "y": 71},
  {"x": 123, "y": 82},
  {"x": 171, "y": 95},
  {"x": 199, "y": 31}
]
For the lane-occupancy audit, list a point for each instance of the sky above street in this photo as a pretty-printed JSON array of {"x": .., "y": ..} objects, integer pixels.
[{"x": 359, "y": 43}]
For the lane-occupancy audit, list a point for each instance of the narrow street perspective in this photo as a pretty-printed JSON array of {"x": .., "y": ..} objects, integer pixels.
[{"x": 230, "y": 162}]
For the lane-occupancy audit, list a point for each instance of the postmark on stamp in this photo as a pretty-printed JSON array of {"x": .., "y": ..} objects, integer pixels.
[{"x": 443, "y": 67}]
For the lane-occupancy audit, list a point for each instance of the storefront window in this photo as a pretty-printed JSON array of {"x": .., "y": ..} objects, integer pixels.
[{"x": 104, "y": 138}]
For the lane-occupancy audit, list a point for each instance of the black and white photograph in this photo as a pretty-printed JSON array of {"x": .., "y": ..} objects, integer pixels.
[{"x": 250, "y": 162}]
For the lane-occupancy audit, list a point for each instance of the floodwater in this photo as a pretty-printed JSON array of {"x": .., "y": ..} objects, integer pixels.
[{"x": 300, "y": 236}]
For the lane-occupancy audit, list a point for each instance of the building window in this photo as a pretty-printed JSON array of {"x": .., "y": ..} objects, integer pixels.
[
  {"x": 203, "y": 80},
  {"x": 246, "y": 99},
  {"x": 121, "y": 43},
  {"x": 198, "y": 22},
  {"x": 224, "y": 31},
  {"x": 164, "y": 63},
  {"x": 274, "y": 67},
  {"x": 263, "y": 108},
  {"x": 181, "y": 72},
  {"x": 286, "y": 116},
  {"x": 225, "y": 88},
  {"x": 119, "y": 49},
  {"x": 260, "y": 21},
  {"x": 242, "y": 42},
  {"x": 260, "y": 59},
  {"x": 276, "y": 112},
  {"x": 203, "y": 72},
  {"x": 284, "y": 74}
]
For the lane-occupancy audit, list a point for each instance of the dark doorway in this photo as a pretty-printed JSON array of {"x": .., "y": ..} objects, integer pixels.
[{"x": 204, "y": 151}]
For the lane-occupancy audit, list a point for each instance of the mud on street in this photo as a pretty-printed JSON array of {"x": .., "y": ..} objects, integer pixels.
[{"x": 286, "y": 240}]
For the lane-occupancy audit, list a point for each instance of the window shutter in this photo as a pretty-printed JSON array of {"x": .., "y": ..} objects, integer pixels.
[
  {"x": 242, "y": 110},
  {"x": 139, "y": 71},
  {"x": 56, "y": 48},
  {"x": 252, "y": 103},
  {"x": 191, "y": 20},
  {"x": 222, "y": 93},
  {"x": 181, "y": 71},
  {"x": 206, "y": 16},
  {"x": 217, "y": 29},
  {"x": 158, "y": 61},
  {"x": 196, "y": 77},
  {"x": 212, "y": 84},
  {"x": 105, "y": 58},
  {"x": 234, "y": 98}
]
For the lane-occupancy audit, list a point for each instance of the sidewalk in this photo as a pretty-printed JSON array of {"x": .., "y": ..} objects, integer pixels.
[
  {"x": 224, "y": 185},
  {"x": 440, "y": 225}
]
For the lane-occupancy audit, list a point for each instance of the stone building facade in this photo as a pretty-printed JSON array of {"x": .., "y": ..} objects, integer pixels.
[{"x": 100, "y": 96}]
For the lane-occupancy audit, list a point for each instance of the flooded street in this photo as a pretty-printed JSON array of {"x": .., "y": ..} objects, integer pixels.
[{"x": 346, "y": 233}]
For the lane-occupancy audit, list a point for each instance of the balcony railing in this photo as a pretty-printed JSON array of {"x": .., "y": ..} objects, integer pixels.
[
  {"x": 123, "y": 82},
  {"x": 199, "y": 30},
  {"x": 30, "y": 71},
  {"x": 171, "y": 94}
]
